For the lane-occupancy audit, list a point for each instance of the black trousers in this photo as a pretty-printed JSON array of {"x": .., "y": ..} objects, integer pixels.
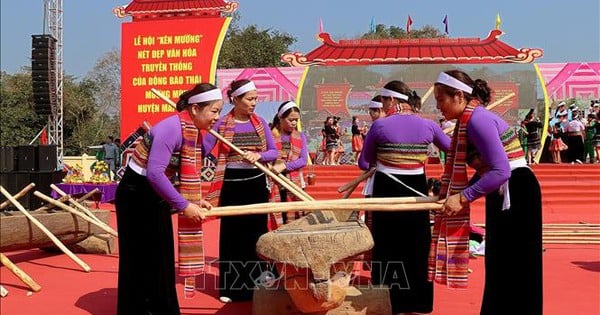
[
  {"x": 513, "y": 249},
  {"x": 146, "y": 250},
  {"x": 401, "y": 251},
  {"x": 239, "y": 265}
]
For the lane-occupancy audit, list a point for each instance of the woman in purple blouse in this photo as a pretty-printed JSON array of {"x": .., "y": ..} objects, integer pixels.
[
  {"x": 293, "y": 153},
  {"x": 238, "y": 181},
  {"x": 513, "y": 207},
  {"x": 397, "y": 146},
  {"x": 146, "y": 196}
]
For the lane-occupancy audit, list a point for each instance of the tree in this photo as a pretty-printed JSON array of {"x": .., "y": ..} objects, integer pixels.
[
  {"x": 20, "y": 123},
  {"x": 251, "y": 47},
  {"x": 85, "y": 124},
  {"x": 106, "y": 75},
  {"x": 381, "y": 32}
]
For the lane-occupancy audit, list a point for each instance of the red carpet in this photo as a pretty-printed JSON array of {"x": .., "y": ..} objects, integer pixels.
[{"x": 571, "y": 272}]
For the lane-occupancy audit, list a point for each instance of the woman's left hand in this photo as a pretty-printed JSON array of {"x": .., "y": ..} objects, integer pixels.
[
  {"x": 453, "y": 205},
  {"x": 278, "y": 166},
  {"x": 252, "y": 157}
]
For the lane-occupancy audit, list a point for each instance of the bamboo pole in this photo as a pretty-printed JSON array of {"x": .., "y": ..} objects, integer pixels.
[
  {"x": 72, "y": 210},
  {"x": 34, "y": 286},
  {"x": 50, "y": 206},
  {"x": 427, "y": 94},
  {"x": 571, "y": 232},
  {"x": 579, "y": 238},
  {"x": 259, "y": 165},
  {"x": 489, "y": 107},
  {"x": 298, "y": 190},
  {"x": 53, "y": 238},
  {"x": 355, "y": 182},
  {"x": 20, "y": 194},
  {"x": 367, "y": 204},
  {"x": 571, "y": 242},
  {"x": 76, "y": 204}
]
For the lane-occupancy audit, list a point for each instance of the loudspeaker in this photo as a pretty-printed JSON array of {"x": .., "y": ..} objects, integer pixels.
[
  {"x": 42, "y": 181},
  {"x": 20, "y": 180},
  {"x": 43, "y": 74},
  {"x": 7, "y": 159},
  {"x": 26, "y": 161},
  {"x": 46, "y": 158}
]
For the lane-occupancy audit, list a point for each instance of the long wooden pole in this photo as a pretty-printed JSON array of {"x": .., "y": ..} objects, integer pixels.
[
  {"x": 75, "y": 203},
  {"x": 297, "y": 190},
  {"x": 53, "y": 238},
  {"x": 489, "y": 107},
  {"x": 366, "y": 204},
  {"x": 20, "y": 194},
  {"x": 355, "y": 182},
  {"x": 50, "y": 206},
  {"x": 34, "y": 286},
  {"x": 66, "y": 207},
  {"x": 259, "y": 165}
]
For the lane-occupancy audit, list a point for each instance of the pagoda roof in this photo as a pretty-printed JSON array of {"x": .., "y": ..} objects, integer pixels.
[
  {"x": 411, "y": 51},
  {"x": 170, "y": 8}
]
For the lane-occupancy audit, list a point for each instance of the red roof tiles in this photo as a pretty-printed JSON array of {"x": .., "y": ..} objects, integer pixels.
[
  {"x": 166, "y": 8},
  {"x": 417, "y": 50}
]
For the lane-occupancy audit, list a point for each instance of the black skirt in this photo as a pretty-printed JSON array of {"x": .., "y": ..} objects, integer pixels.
[
  {"x": 239, "y": 265},
  {"x": 513, "y": 248},
  {"x": 146, "y": 250},
  {"x": 401, "y": 251}
]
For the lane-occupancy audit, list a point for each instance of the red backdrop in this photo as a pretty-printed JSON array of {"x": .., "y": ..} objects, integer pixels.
[{"x": 170, "y": 55}]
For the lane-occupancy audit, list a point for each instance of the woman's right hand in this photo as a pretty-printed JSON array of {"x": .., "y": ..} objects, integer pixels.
[{"x": 194, "y": 212}]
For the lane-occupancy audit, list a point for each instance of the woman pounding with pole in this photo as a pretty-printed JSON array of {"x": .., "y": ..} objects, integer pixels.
[
  {"x": 293, "y": 154},
  {"x": 238, "y": 181},
  {"x": 145, "y": 197},
  {"x": 513, "y": 205},
  {"x": 397, "y": 146}
]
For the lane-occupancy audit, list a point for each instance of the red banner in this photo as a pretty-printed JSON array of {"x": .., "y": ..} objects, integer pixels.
[
  {"x": 505, "y": 100},
  {"x": 168, "y": 55},
  {"x": 332, "y": 97}
]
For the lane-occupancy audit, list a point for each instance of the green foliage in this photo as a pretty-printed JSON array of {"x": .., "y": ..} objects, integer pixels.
[
  {"x": 19, "y": 122},
  {"x": 251, "y": 47},
  {"x": 84, "y": 124},
  {"x": 392, "y": 31}
]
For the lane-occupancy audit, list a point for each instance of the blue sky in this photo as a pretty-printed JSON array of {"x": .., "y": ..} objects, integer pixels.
[{"x": 565, "y": 30}]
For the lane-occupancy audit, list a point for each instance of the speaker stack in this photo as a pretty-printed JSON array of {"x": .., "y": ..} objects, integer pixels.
[
  {"x": 21, "y": 165},
  {"x": 43, "y": 73}
]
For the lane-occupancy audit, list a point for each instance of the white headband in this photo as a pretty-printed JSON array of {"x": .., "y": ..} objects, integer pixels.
[
  {"x": 562, "y": 104},
  {"x": 243, "y": 89},
  {"x": 286, "y": 107},
  {"x": 449, "y": 80},
  {"x": 373, "y": 104},
  {"x": 389, "y": 93},
  {"x": 210, "y": 95}
]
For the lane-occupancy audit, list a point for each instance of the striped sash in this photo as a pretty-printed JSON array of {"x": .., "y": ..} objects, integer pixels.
[{"x": 449, "y": 253}]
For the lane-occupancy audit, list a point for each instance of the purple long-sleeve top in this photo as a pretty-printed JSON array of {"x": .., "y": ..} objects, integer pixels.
[
  {"x": 245, "y": 127},
  {"x": 302, "y": 160},
  {"x": 167, "y": 138},
  {"x": 483, "y": 132},
  {"x": 404, "y": 129}
]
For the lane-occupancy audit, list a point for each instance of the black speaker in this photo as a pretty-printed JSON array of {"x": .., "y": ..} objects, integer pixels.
[
  {"x": 7, "y": 180},
  {"x": 26, "y": 161},
  {"x": 7, "y": 159},
  {"x": 42, "y": 181},
  {"x": 46, "y": 158},
  {"x": 20, "y": 180},
  {"x": 43, "y": 74}
]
